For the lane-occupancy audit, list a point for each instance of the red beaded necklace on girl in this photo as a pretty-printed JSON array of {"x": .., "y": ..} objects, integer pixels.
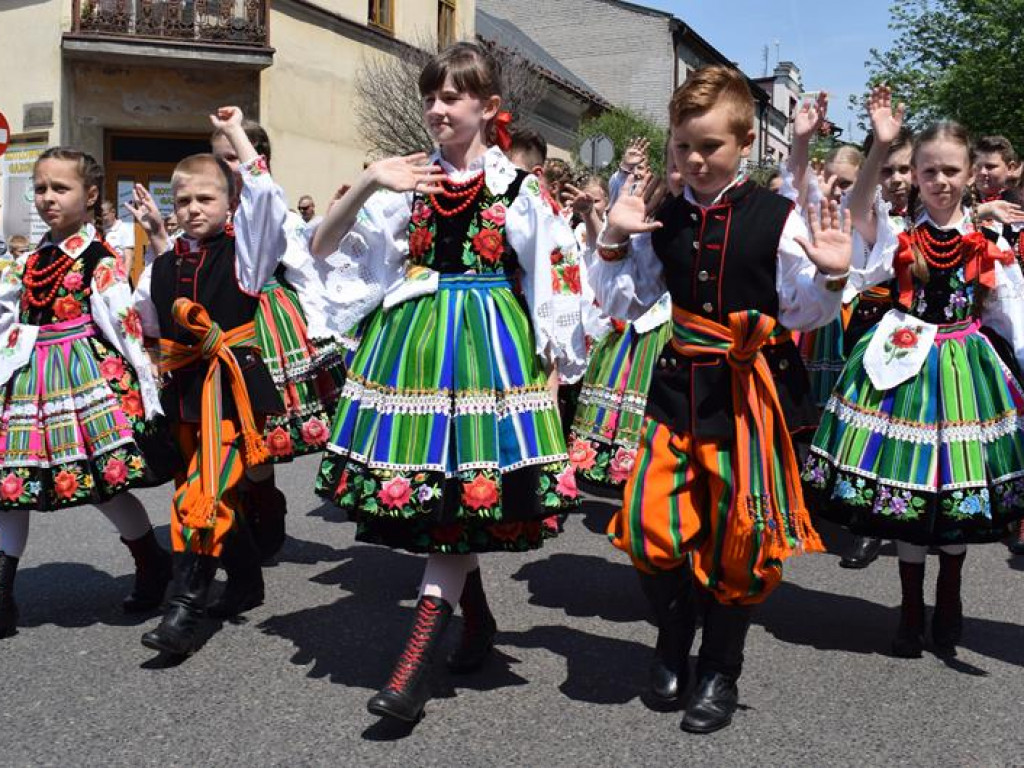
[
  {"x": 938, "y": 254},
  {"x": 464, "y": 193},
  {"x": 42, "y": 283}
]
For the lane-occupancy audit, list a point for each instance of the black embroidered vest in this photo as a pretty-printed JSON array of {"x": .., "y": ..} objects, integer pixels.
[
  {"x": 716, "y": 261},
  {"x": 207, "y": 277}
]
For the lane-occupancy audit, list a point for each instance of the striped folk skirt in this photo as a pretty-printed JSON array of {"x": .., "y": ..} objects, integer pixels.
[
  {"x": 822, "y": 352},
  {"x": 610, "y": 414},
  {"x": 70, "y": 418},
  {"x": 308, "y": 373},
  {"x": 446, "y": 437},
  {"x": 938, "y": 459}
]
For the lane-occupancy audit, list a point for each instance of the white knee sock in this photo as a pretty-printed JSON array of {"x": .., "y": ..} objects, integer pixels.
[
  {"x": 14, "y": 532},
  {"x": 128, "y": 515},
  {"x": 953, "y": 549},
  {"x": 445, "y": 575}
]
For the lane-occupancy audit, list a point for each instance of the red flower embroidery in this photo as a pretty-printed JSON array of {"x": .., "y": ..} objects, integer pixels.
[
  {"x": 420, "y": 213},
  {"x": 12, "y": 337},
  {"x": 116, "y": 472},
  {"x": 506, "y": 531},
  {"x": 557, "y": 256},
  {"x": 480, "y": 493},
  {"x": 132, "y": 324},
  {"x": 73, "y": 243},
  {"x": 904, "y": 338},
  {"x": 446, "y": 534},
  {"x": 279, "y": 442},
  {"x": 420, "y": 241},
  {"x": 621, "y": 465},
  {"x": 11, "y": 487},
  {"x": 495, "y": 214},
  {"x": 73, "y": 281},
  {"x": 489, "y": 245},
  {"x": 567, "y": 483},
  {"x": 314, "y": 432},
  {"x": 131, "y": 404},
  {"x": 582, "y": 454},
  {"x": 104, "y": 277},
  {"x": 571, "y": 275},
  {"x": 395, "y": 493},
  {"x": 112, "y": 368},
  {"x": 65, "y": 484},
  {"x": 67, "y": 308}
]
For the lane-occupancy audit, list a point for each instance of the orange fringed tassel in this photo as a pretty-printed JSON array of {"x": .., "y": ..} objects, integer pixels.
[
  {"x": 255, "y": 448},
  {"x": 201, "y": 515}
]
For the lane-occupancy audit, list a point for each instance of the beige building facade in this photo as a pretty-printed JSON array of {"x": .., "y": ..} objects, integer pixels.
[{"x": 133, "y": 81}]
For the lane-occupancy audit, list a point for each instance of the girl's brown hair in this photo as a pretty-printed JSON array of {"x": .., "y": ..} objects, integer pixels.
[
  {"x": 89, "y": 171},
  {"x": 472, "y": 70}
]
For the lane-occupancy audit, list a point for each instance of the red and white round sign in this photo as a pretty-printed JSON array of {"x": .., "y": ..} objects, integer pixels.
[{"x": 5, "y": 133}]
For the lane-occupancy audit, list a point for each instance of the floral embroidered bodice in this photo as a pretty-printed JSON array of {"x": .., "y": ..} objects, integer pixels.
[
  {"x": 469, "y": 240},
  {"x": 63, "y": 277},
  {"x": 946, "y": 298}
]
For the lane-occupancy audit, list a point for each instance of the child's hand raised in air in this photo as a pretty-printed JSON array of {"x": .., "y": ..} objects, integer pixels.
[
  {"x": 831, "y": 243},
  {"x": 407, "y": 174},
  {"x": 1002, "y": 211},
  {"x": 226, "y": 118},
  {"x": 629, "y": 215},
  {"x": 808, "y": 119},
  {"x": 885, "y": 121},
  {"x": 575, "y": 198},
  {"x": 636, "y": 153},
  {"x": 144, "y": 210}
]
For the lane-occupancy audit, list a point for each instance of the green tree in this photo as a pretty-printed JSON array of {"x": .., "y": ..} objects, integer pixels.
[
  {"x": 957, "y": 59},
  {"x": 621, "y": 125}
]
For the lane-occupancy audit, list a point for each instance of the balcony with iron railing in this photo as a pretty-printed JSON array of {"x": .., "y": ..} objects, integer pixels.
[{"x": 198, "y": 31}]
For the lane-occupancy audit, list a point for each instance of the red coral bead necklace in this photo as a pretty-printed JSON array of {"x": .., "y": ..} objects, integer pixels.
[{"x": 465, "y": 192}]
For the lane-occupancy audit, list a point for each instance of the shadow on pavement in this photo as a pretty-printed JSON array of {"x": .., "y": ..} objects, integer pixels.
[
  {"x": 599, "y": 670},
  {"x": 74, "y": 595},
  {"x": 355, "y": 640},
  {"x": 834, "y": 622},
  {"x": 585, "y": 585}
]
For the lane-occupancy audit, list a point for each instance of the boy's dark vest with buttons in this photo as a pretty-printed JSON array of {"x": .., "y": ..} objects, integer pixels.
[
  {"x": 207, "y": 276},
  {"x": 716, "y": 261}
]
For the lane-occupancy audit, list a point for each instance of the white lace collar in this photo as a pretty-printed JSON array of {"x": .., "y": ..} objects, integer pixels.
[{"x": 499, "y": 172}]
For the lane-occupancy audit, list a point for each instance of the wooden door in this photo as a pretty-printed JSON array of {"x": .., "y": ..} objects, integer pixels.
[{"x": 147, "y": 158}]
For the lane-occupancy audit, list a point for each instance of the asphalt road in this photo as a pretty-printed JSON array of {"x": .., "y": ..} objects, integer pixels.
[{"x": 288, "y": 685}]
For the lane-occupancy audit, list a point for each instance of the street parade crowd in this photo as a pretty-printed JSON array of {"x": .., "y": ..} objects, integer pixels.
[{"x": 469, "y": 338}]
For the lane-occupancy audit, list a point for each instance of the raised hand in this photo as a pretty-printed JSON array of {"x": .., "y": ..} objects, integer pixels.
[
  {"x": 636, "y": 152},
  {"x": 226, "y": 118},
  {"x": 575, "y": 198},
  {"x": 808, "y": 119},
  {"x": 144, "y": 209},
  {"x": 629, "y": 215},
  {"x": 831, "y": 245},
  {"x": 1002, "y": 211},
  {"x": 407, "y": 174},
  {"x": 885, "y": 120},
  {"x": 338, "y": 194}
]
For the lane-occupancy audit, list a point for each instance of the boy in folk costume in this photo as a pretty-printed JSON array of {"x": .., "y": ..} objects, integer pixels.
[
  {"x": 200, "y": 300},
  {"x": 716, "y": 481}
]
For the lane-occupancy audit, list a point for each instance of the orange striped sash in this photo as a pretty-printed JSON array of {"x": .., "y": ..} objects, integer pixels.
[
  {"x": 215, "y": 346},
  {"x": 767, "y": 495}
]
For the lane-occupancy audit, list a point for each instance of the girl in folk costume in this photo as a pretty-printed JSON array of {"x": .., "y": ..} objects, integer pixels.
[
  {"x": 923, "y": 439},
  {"x": 77, "y": 390},
  {"x": 606, "y": 429},
  {"x": 447, "y": 439}
]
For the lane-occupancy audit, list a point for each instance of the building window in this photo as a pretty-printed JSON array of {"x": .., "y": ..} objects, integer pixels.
[
  {"x": 446, "y": 34},
  {"x": 382, "y": 14}
]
